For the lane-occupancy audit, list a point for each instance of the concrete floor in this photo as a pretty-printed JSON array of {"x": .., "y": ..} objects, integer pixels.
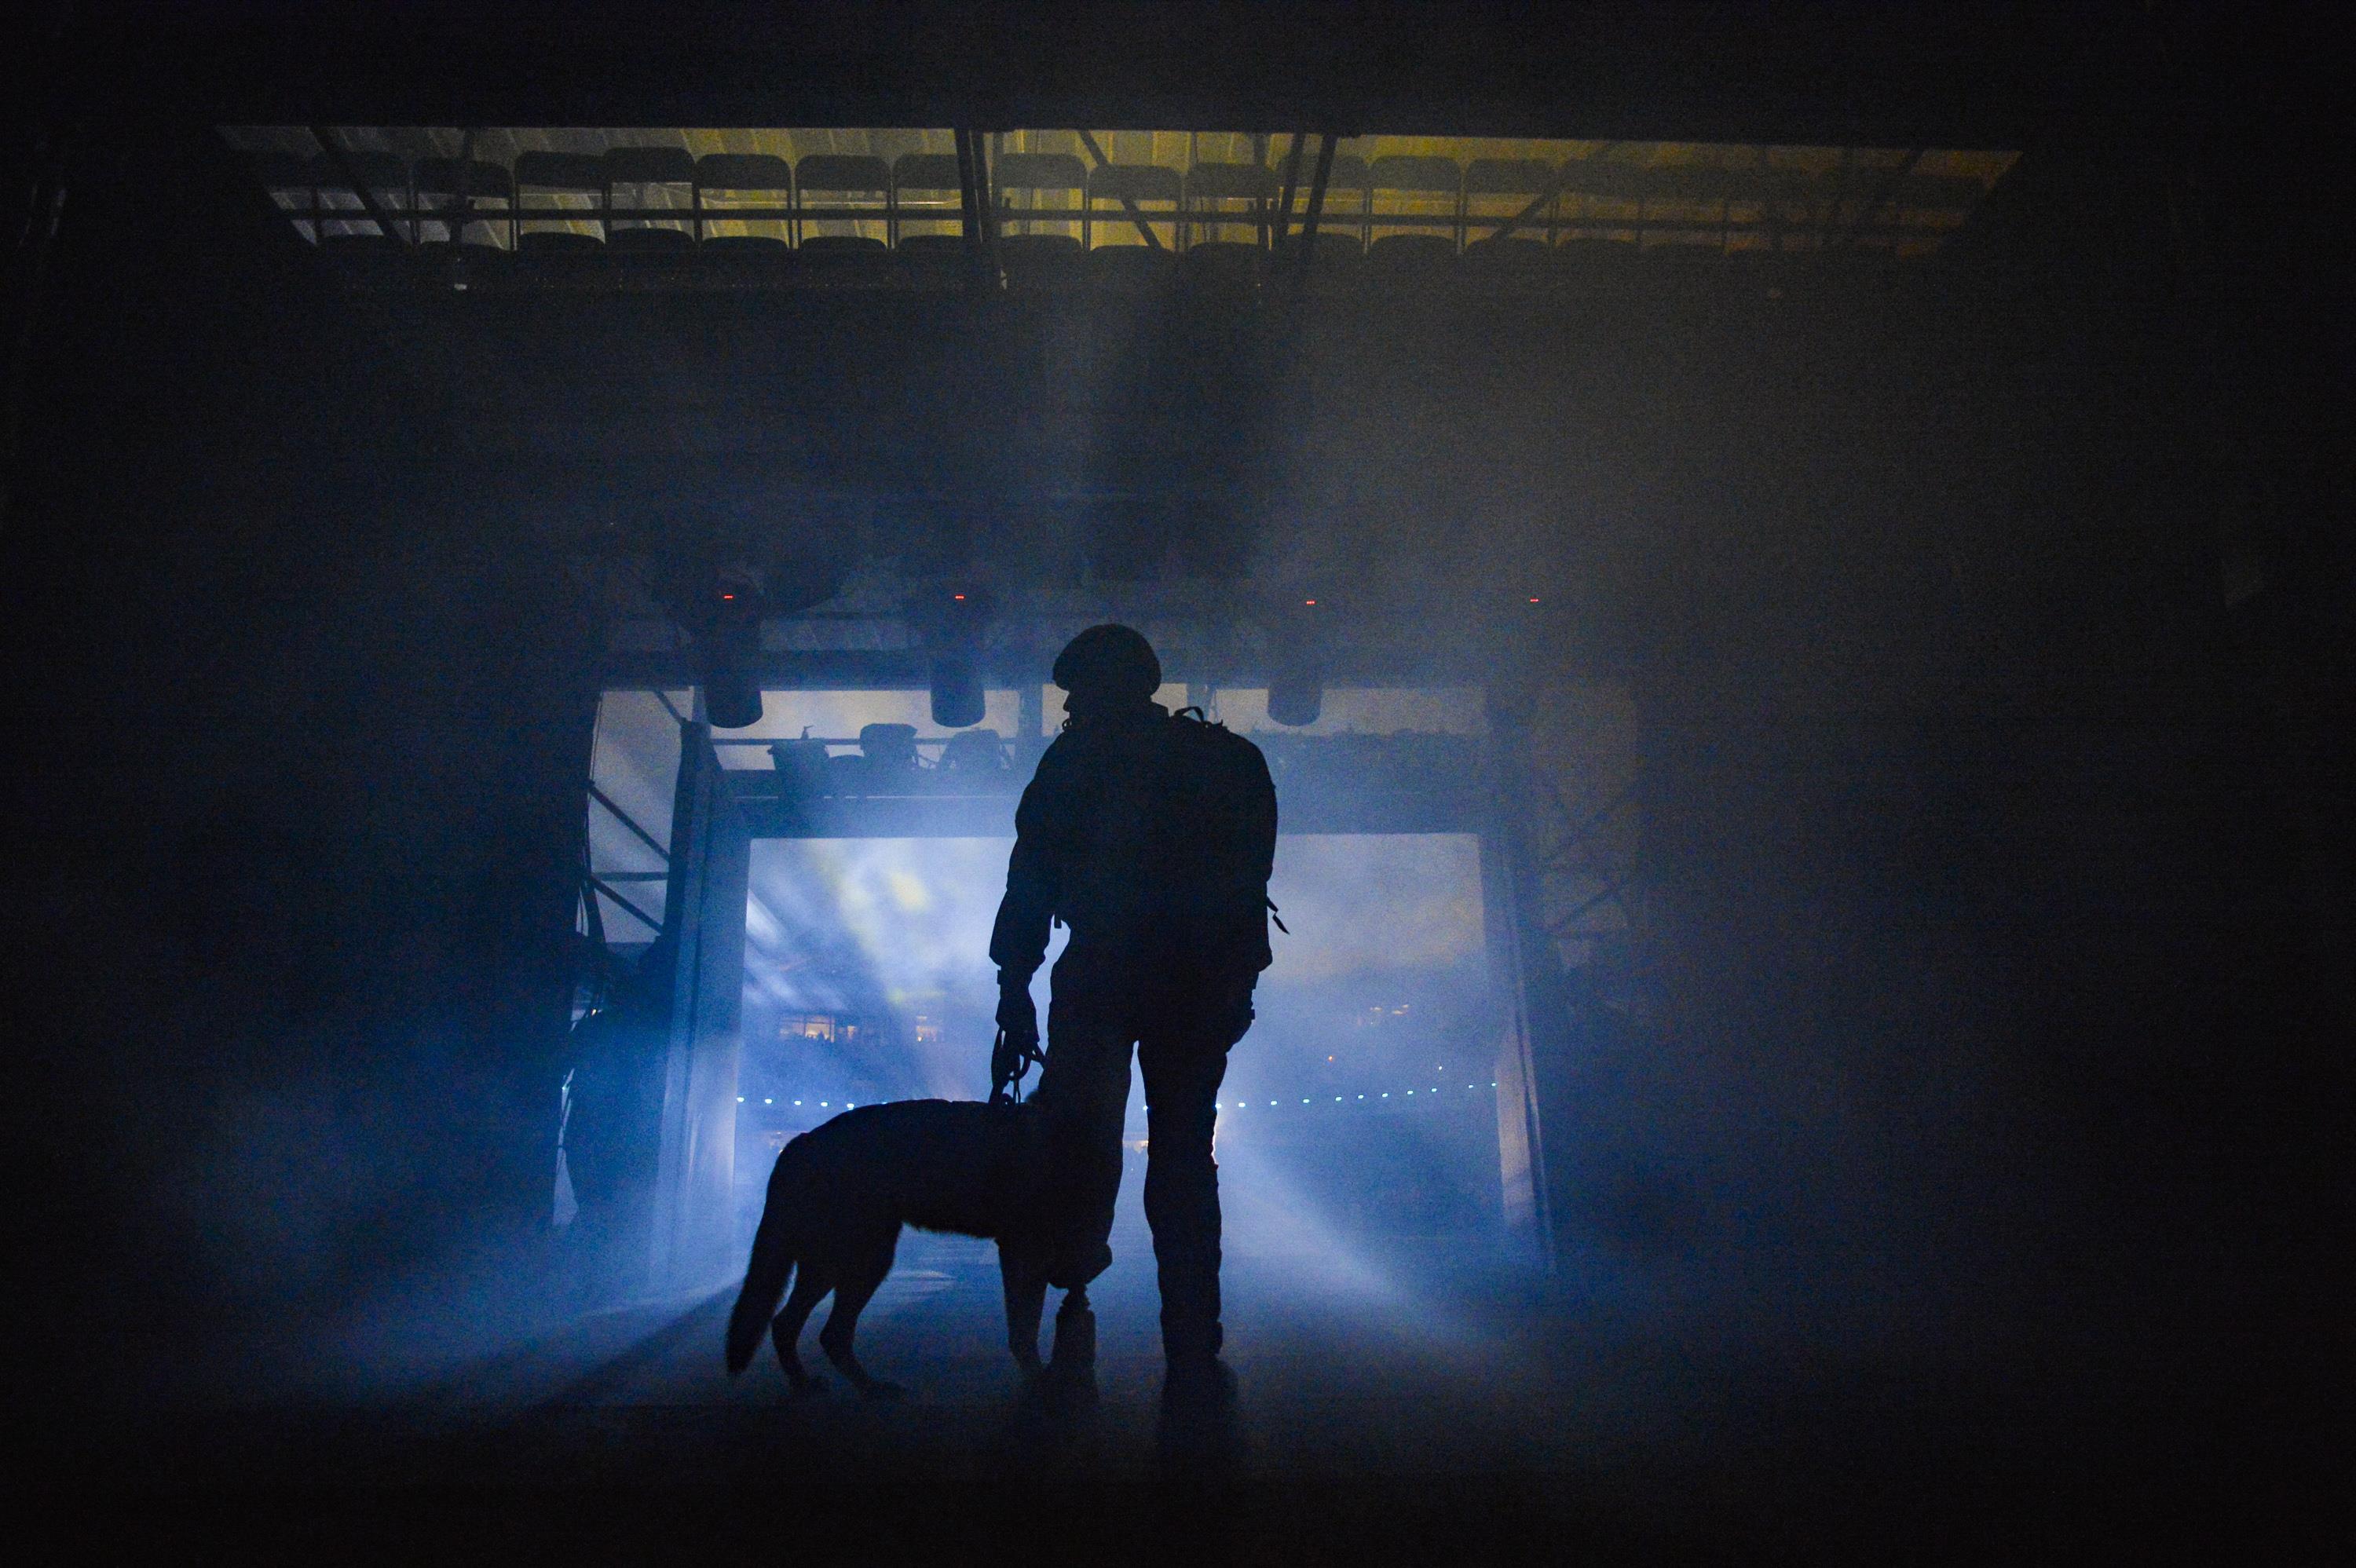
[{"x": 1417, "y": 1400}]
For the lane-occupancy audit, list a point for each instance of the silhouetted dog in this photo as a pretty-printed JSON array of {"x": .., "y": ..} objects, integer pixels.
[{"x": 840, "y": 1193}]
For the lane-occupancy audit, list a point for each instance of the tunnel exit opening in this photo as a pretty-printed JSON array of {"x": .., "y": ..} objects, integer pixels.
[{"x": 813, "y": 898}]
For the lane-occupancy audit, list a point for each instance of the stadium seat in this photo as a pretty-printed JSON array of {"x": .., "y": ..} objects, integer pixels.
[
  {"x": 568, "y": 217},
  {"x": 490, "y": 200},
  {"x": 342, "y": 216},
  {"x": 1229, "y": 204},
  {"x": 1155, "y": 193},
  {"x": 1414, "y": 198},
  {"x": 1040, "y": 196},
  {"x": 842, "y": 196},
  {"x": 641, "y": 182},
  {"x": 748, "y": 199},
  {"x": 928, "y": 200}
]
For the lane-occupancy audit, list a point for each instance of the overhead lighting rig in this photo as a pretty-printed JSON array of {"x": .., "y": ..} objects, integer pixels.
[
  {"x": 718, "y": 582},
  {"x": 1296, "y": 675},
  {"x": 952, "y": 624},
  {"x": 724, "y": 621}
]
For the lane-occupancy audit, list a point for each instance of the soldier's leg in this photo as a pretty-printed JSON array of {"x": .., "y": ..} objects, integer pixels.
[
  {"x": 1084, "y": 1097},
  {"x": 1183, "y": 1064}
]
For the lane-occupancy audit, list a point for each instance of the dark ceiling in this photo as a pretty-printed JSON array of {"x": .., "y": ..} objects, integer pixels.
[
  {"x": 1726, "y": 467},
  {"x": 1815, "y": 72}
]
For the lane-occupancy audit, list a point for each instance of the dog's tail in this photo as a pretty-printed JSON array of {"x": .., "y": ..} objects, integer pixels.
[{"x": 764, "y": 1278}]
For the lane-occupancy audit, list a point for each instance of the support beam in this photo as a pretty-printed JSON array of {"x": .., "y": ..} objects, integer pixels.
[
  {"x": 1316, "y": 209},
  {"x": 1136, "y": 213},
  {"x": 1881, "y": 193},
  {"x": 1528, "y": 215},
  {"x": 624, "y": 817},
  {"x": 339, "y": 157},
  {"x": 461, "y": 211},
  {"x": 1562, "y": 174},
  {"x": 977, "y": 206},
  {"x": 1521, "y": 1159},
  {"x": 1508, "y": 913},
  {"x": 649, "y": 921},
  {"x": 1291, "y": 184},
  {"x": 693, "y": 1237},
  {"x": 1259, "y": 197}
]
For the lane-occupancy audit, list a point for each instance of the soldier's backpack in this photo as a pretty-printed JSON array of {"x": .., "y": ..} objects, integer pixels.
[{"x": 1216, "y": 832}]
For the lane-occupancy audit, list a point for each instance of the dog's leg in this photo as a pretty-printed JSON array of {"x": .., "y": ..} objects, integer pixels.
[
  {"x": 811, "y": 1284},
  {"x": 859, "y": 1279},
  {"x": 1026, "y": 1299}
]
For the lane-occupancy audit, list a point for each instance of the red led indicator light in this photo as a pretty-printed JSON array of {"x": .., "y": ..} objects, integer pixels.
[
  {"x": 959, "y": 597},
  {"x": 1309, "y": 600},
  {"x": 728, "y": 596}
]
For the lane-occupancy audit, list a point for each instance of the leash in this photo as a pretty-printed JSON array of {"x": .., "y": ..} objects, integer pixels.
[{"x": 1009, "y": 1065}]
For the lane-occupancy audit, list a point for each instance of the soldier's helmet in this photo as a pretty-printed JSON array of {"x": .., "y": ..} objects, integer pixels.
[{"x": 1109, "y": 663}]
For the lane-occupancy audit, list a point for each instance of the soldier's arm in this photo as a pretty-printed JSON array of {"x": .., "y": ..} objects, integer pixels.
[{"x": 1018, "y": 941}]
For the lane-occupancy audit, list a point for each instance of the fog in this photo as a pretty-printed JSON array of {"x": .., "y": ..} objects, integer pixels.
[{"x": 1365, "y": 1090}]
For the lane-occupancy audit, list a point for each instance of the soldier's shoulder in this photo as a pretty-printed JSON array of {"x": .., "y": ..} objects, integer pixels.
[
  {"x": 1066, "y": 747},
  {"x": 1051, "y": 771},
  {"x": 1206, "y": 735}
]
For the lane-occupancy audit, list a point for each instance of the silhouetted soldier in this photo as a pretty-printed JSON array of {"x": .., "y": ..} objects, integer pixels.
[{"x": 1152, "y": 836}]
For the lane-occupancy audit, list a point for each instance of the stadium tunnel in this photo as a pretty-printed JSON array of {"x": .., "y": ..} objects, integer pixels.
[{"x": 1785, "y": 558}]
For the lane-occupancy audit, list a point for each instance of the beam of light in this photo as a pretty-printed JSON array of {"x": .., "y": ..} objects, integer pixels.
[
  {"x": 1383, "y": 974},
  {"x": 889, "y": 931},
  {"x": 1270, "y": 1210}
]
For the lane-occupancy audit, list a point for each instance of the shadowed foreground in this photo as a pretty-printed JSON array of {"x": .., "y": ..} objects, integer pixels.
[{"x": 1401, "y": 1402}]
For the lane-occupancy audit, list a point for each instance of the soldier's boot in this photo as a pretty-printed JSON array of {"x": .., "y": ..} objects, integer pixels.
[{"x": 1070, "y": 1381}]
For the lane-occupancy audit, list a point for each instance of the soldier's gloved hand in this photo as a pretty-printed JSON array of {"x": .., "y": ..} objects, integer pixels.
[{"x": 1017, "y": 1015}]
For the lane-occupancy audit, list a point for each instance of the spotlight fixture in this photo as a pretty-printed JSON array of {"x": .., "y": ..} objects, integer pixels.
[
  {"x": 1295, "y": 698},
  {"x": 1296, "y": 676},
  {"x": 726, "y": 626},
  {"x": 956, "y": 691},
  {"x": 952, "y": 625},
  {"x": 718, "y": 563}
]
